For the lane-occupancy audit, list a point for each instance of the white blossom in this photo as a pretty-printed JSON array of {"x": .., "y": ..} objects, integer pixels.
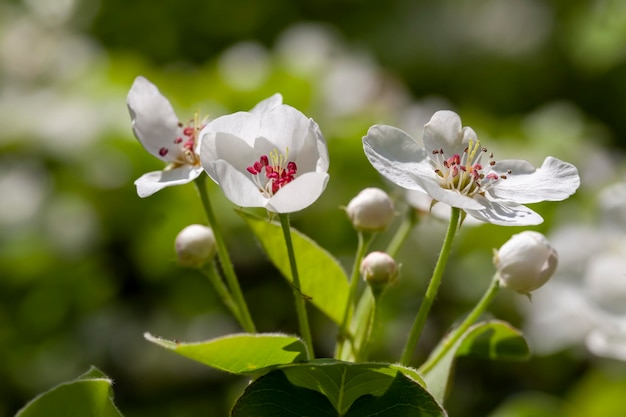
[
  {"x": 273, "y": 157},
  {"x": 159, "y": 130},
  {"x": 451, "y": 166}
]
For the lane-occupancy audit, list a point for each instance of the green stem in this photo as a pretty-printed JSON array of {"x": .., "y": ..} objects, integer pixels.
[
  {"x": 222, "y": 252},
  {"x": 433, "y": 287},
  {"x": 456, "y": 334},
  {"x": 211, "y": 272},
  {"x": 303, "y": 319},
  {"x": 370, "y": 335},
  {"x": 344, "y": 330},
  {"x": 366, "y": 302}
]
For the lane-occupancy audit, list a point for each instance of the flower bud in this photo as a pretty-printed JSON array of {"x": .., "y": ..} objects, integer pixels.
[
  {"x": 195, "y": 246},
  {"x": 378, "y": 270},
  {"x": 525, "y": 262},
  {"x": 371, "y": 210}
]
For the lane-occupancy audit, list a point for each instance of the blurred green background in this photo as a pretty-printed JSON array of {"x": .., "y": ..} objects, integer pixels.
[{"x": 86, "y": 267}]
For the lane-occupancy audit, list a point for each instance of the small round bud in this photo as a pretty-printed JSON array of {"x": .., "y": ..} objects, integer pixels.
[
  {"x": 371, "y": 210},
  {"x": 525, "y": 262},
  {"x": 195, "y": 246},
  {"x": 378, "y": 270}
]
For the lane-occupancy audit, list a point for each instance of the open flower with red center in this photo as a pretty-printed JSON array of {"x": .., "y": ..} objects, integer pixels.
[
  {"x": 158, "y": 129},
  {"x": 273, "y": 157},
  {"x": 451, "y": 166}
]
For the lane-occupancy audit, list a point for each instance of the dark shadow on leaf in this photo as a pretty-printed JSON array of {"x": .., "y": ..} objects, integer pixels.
[
  {"x": 272, "y": 395},
  {"x": 404, "y": 398}
]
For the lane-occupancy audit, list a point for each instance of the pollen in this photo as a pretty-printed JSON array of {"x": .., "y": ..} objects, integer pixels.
[{"x": 466, "y": 172}]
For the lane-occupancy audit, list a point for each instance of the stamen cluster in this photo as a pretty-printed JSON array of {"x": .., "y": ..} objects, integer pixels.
[
  {"x": 187, "y": 141},
  {"x": 277, "y": 174},
  {"x": 465, "y": 173}
]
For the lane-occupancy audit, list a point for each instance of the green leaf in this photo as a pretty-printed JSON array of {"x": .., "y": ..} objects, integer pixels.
[
  {"x": 327, "y": 387},
  {"x": 493, "y": 339},
  {"x": 89, "y": 395},
  {"x": 403, "y": 398},
  {"x": 240, "y": 353},
  {"x": 272, "y": 395},
  {"x": 322, "y": 278}
]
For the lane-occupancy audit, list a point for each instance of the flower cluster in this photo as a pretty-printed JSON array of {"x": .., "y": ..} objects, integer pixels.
[
  {"x": 272, "y": 156},
  {"x": 276, "y": 158}
]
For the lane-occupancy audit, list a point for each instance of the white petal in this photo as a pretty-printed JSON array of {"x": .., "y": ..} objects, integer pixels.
[
  {"x": 241, "y": 124},
  {"x": 237, "y": 186},
  {"x": 152, "y": 182},
  {"x": 153, "y": 119},
  {"x": 298, "y": 194},
  {"x": 516, "y": 166},
  {"x": 323, "y": 160},
  {"x": 285, "y": 127},
  {"x": 224, "y": 146},
  {"x": 267, "y": 104},
  {"x": 444, "y": 131},
  {"x": 396, "y": 155},
  {"x": 505, "y": 215},
  {"x": 554, "y": 181},
  {"x": 450, "y": 197}
]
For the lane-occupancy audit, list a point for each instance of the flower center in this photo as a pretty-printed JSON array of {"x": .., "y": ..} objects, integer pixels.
[
  {"x": 185, "y": 144},
  {"x": 271, "y": 173},
  {"x": 465, "y": 173}
]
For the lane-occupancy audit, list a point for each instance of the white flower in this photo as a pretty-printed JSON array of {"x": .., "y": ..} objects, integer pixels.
[
  {"x": 371, "y": 210},
  {"x": 525, "y": 262},
  {"x": 609, "y": 340},
  {"x": 160, "y": 132},
  {"x": 451, "y": 166},
  {"x": 272, "y": 157}
]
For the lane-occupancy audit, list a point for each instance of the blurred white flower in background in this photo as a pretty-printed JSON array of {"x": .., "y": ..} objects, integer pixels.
[
  {"x": 245, "y": 65},
  {"x": 505, "y": 27},
  {"x": 24, "y": 186},
  {"x": 585, "y": 302},
  {"x": 350, "y": 80}
]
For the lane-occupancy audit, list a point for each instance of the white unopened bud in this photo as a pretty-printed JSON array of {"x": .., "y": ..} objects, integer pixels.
[
  {"x": 378, "y": 270},
  {"x": 195, "y": 246},
  {"x": 371, "y": 210},
  {"x": 525, "y": 262}
]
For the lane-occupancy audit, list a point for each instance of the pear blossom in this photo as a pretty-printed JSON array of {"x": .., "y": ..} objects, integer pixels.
[
  {"x": 159, "y": 130},
  {"x": 451, "y": 166},
  {"x": 272, "y": 157}
]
